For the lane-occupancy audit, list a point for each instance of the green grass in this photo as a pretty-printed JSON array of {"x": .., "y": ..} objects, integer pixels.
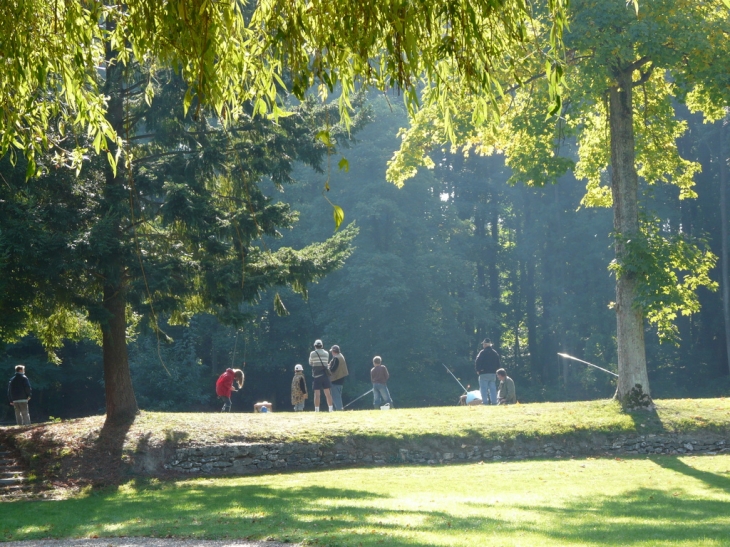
[
  {"x": 673, "y": 501},
  {"x": 484, "y": 422}
]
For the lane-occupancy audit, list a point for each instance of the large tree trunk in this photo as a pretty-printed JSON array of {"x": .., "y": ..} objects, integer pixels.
[
  {"x": 121, "y": 404},
  {"x": 724, "y": 250},
  {"x": 625, "y": 189}
]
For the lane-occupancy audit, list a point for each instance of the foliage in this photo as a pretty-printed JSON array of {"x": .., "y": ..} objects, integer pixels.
[
  {"x": 170, "y": 376},
  {"x": 229, "y": 53},
  {"x": 669, "y": 267}
]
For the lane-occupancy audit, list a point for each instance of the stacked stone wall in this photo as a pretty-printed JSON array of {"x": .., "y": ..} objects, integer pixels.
[{"x": 244, "y": 459}]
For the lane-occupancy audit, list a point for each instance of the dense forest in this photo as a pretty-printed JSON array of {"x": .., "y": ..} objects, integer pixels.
[{"x": 456, "y": 255}]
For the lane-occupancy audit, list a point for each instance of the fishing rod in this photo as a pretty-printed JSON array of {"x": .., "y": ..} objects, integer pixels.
[
  {"x": 566, "y": 356},
  {"x": 455, "y": 378},
  {"x": 360, "y": 397}
]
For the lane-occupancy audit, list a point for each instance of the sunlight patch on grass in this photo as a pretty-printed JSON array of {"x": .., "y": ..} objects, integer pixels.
[{"x": 678, "y": 502}]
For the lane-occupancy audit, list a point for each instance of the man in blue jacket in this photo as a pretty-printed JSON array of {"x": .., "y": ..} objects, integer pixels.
[{"x": 19, "y": 394}]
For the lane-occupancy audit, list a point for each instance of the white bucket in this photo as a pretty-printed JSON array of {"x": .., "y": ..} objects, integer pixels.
[{"x": 385, "y": 407}]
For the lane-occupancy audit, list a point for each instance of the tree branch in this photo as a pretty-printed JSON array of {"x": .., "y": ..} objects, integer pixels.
[
  {"x": 636, "y": 65},
  {"x": 644, "y": 76}
]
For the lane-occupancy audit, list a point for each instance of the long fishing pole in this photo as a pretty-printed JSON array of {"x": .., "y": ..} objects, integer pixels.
[
  {"x": 455, "y": 378},
  {"x": 360, "y": 397},
  {"x": 566, "y": 356}
]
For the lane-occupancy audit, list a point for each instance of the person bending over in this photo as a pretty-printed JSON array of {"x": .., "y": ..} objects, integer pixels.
[{"x": 224, "y": 386}]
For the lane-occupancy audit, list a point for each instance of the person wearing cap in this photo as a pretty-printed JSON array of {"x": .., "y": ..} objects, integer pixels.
[
  {"x": 338, "y": 368},
  {"x": 486, "y": 365},
  {"x": 298, "y": 389},
  {"x": 319, "y": 360}
]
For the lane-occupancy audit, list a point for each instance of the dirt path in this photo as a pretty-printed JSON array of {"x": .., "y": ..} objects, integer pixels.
[{"x": 143, "y": 542}]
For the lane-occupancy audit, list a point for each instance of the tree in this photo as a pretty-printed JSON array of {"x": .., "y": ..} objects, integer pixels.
[
  {"x": 669, "y": 49},
  {"x": 172, "y": 234}
]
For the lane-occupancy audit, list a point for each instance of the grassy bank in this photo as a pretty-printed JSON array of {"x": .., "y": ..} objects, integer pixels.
[
  {"x": 671, "y": 501},
  {"x": 482, "y": 422},
  {"x": 87, "y": 450}
]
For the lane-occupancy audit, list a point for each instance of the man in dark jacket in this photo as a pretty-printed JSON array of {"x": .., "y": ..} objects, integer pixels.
[
  {"x": 19, "y": 394},
  {"x": 486, "y": 365}
]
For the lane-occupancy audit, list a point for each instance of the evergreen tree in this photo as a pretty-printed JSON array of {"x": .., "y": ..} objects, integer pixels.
[{"x": 171, "y": 235}]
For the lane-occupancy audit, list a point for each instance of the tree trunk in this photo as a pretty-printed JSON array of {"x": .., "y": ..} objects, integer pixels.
[
  {"x": 724, "y": 250},
  {"x": 530, "y": 297},
  {"x": 495, "y": 292},
  {"x": 121, "y": 404},
  {"x": 625, "y": 188}
]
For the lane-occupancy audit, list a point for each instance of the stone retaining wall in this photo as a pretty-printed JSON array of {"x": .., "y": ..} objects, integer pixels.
[{"x": 241, "y": 458}]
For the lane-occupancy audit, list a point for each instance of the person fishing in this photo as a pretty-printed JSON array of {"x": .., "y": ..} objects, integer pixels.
[
  {"x": 338, "y": 368},
  {"x": 224, "y": 386},
  {"x": 318, "y": 360},
  {"x": 486, "y": 365}
]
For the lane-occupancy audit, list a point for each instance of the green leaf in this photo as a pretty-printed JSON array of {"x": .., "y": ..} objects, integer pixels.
[
  {"x": 112, "y": 162},
  {"x": 279, "y": 306},
  {"x": 324, "y": 136},
  {"x": 187, "y": 100},
  {"x": 339, "y": 216},
  {"x": 31, "y": 169},
  {"x": 344, "y": 165},
  {"x": 727, "y": 3},
  {"x": 556, "y": 107}
]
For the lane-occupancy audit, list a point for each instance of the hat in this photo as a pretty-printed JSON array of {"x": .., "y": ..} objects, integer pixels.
[
  {"x": 335, "y": 348},
  {"x": 298, "y": 368},
  {"x": 486, "y": 341},
  {"x": 318, "y": 343}
]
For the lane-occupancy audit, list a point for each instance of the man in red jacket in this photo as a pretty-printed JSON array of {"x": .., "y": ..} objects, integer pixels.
[{"x": 224, "y": 386}]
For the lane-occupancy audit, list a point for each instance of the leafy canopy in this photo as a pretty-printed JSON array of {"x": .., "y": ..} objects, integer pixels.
[
  {"x": 676, "y": 50},
  {"x": 230, "y": 52}
]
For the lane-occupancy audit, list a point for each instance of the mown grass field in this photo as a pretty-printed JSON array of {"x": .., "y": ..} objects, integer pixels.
[
  {"x": 672, "y": 501},
  {"x": 483, "y": 422}
]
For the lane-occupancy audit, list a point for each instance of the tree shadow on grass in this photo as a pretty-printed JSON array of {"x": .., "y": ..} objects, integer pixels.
[
  {"x": 647, "y": 420},
  {"x": 320, "y": 515},
  {"x": 710, "y": 479},
  {"x": 643, "y": 516},
  {"x": 333, "y": 516}
]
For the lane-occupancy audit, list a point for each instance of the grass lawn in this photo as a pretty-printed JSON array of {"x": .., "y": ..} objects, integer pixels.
[
  {"x": 482, "y": 422},
  {"x": 677, "y": 501}
]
